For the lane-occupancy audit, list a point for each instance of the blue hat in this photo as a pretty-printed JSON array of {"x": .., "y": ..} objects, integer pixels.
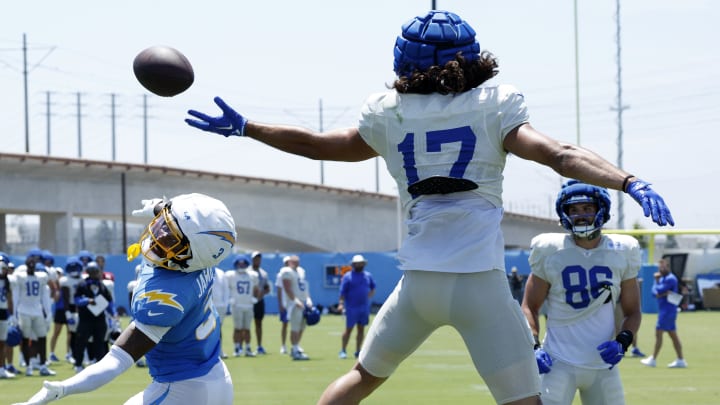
[{"x": 433, "y": 39}]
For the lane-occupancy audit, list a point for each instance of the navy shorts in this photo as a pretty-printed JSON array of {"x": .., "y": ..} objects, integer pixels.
[{"x": 356, "y": 316}]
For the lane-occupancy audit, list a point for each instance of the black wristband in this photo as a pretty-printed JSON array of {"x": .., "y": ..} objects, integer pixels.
[
  {"x": 537, "y": 343},
  {"x": 625, "y": 182},
  {"x": 625, "y": 338}
]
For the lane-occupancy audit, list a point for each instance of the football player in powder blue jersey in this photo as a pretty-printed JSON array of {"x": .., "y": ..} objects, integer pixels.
[{"x": 175, "y": 326}]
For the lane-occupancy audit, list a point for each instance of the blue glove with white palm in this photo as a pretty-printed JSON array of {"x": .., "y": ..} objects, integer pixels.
[
  {"x": 544, "y": 362},
  {"x": 231, "y": 123},
  {"x": 652, "y": 204}
]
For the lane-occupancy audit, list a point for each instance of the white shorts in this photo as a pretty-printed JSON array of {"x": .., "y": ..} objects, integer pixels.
[
  {"x": 33, "y": 327},
  {"x": 214, "y": 388},
  {"x": 296, "y": 318},
  {"x": 242, "y": 317},
  {"x": 479, "y": 306},
  {"x": 596, "y": 386}
]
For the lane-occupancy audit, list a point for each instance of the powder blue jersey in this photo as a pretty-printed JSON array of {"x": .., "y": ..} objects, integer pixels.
[{"x": 182, "y": 302}]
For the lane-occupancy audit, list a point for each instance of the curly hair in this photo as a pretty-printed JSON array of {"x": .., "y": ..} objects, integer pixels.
[{"x": 457, "y": 76}]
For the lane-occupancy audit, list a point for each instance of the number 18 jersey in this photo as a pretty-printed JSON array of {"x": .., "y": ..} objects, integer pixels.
[{"x": 584, "y": 286}]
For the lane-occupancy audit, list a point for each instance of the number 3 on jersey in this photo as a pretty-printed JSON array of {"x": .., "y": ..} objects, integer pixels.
[{"x": 434, "y": 141}]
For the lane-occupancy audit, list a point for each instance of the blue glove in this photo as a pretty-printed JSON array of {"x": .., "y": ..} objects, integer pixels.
[
  {"x": 652, "y": 204},
  {"x": 230, "y": 123},
  {"x": 611, "y": 352},
  {"x": 544, "y": 361}
]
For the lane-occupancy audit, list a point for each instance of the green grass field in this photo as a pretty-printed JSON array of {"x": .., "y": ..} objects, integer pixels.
[{"x": 439, "y": 372}]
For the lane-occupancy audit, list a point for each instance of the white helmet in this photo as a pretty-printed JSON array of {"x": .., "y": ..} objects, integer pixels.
[{"x": 190, "y": 233}]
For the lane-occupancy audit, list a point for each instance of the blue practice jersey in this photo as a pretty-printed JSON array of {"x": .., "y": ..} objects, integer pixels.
[
  {"x": 355, "y": 287},
  {"x": 182, "y": 302}
]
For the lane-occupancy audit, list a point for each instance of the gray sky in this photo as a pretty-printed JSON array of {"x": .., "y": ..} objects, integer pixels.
[{"x": 275, "y": 67}]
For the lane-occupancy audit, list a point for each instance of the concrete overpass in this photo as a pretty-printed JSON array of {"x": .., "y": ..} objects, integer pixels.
[{"x": 271, "y": 215}]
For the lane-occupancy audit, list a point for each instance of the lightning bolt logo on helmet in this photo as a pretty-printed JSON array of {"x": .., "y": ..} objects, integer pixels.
[{"x": 191, "y": 232}]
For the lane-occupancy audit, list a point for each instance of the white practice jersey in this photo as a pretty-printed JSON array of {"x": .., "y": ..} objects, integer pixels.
[
  {"x": 4, "y": 289},
  {"x": 584, "y": 287},
  {"x": 220, "y": 292},
  {"x": 31, "y": 294},
  {"x": 71, "y": 283},
  {"x": 459, "y": 135},
  {"x": 279, "y": 284},
  {"x": 241, "y": 284},
  {"x": 298, "y": 283}
]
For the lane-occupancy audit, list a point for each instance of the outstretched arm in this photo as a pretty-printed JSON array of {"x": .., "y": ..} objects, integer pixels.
[
  {"x": 579, "y": 163},
  {"x": 344, "y": 144}
]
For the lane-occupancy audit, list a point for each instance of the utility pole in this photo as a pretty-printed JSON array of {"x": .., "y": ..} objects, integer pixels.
[
  {"x": 25, "y": 83},
  {"x": 145, "y": 129},
  {"x": 79, "y": 124},
  {"x": 577, "y": 76},
  {"x": 619, "y": 107},
  {"x": 47, "y": 118},
  {"x": 112, "y": 124},
  {"x": 322, "y": 162}
]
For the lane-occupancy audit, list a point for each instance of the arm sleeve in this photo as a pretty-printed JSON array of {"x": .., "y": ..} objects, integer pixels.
[{"x": 116, "y": 362}]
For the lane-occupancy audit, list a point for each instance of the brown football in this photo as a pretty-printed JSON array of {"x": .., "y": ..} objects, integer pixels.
[{"x": 163, "y": 70}]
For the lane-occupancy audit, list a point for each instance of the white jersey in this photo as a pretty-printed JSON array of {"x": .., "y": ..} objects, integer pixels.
[
  {"x": 71, "y": 283},
  {"x": 459, "y": 136},
  {"x": 279, "y": 284},
  {"x": 298, "y": 283},
  {"x": 220, "y": 292},
  {"x": 584, "y": 287},
  {"x": 31, "y": 294},
  {"x": 241, "y": 284},
  {"x": 4, "y": 289},
  {"x": 463, "y": 139},
  {"x": 263, "y": 280}
]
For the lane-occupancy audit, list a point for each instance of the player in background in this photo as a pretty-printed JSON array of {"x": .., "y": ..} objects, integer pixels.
[
  {"x": 6, "y": 312},
  {"x": 12, "y": 320},
  {"x": 221, "y": 300},
  {"x": 259, "y": 307},
  {"x": 175, "y": 324},
  {"x": 582, "y": 275},
  {"x": 445, "y": 139},
  {"x": 356, "y": 289},
  {"x": 243, "y": 287},
  {"x": 282, "y": 307},
  {"x": 665, "y": 283},
  {"x": 33, "y": 308},
  {"x": 68, "y": 285},
  {"x": 297, "y": 290},
  {"x": 59, "y": 305},
  {"x": 89, "y": 297}
]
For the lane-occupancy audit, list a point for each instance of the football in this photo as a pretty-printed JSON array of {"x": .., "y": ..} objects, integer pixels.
[{"x": 163, "y": 70}]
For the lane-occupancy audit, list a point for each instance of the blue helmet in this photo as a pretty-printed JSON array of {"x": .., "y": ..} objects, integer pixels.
[
  {"x": 312, "y": 315},
  {"x": 85, "y": 255},
  {"x": 35, "y": 252},
  {"x": 574, "y": 192},
  {"x": 241, "y": 258},
  {"x": 433, "y": 39},
  {"x": 74, "y": 267},
  {"x": 14, "y": 336},
  {"x": 47, "y": 256},
  {"x": 4, "y": 257}
]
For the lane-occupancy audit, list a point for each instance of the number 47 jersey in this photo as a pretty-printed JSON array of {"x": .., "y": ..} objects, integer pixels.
[{"x": 584, "y": 287}]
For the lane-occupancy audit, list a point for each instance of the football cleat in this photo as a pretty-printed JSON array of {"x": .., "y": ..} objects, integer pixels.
[
  {"x": 6, "y": 374},
  {"x": 261, "y": 350},
  {"x": 299, "y": 355},
  {"x": 46, "y": 372},
  {"x": 342, "y": 354},
  {"x": 679, "y": 363},
  {"x": 637, "y": 353},
  {"x": 10, "y": 368},
  {"x": 650, "y": 361},
  {"x": 283, "y": 350},
  {"x": 54, "y": 358}
]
